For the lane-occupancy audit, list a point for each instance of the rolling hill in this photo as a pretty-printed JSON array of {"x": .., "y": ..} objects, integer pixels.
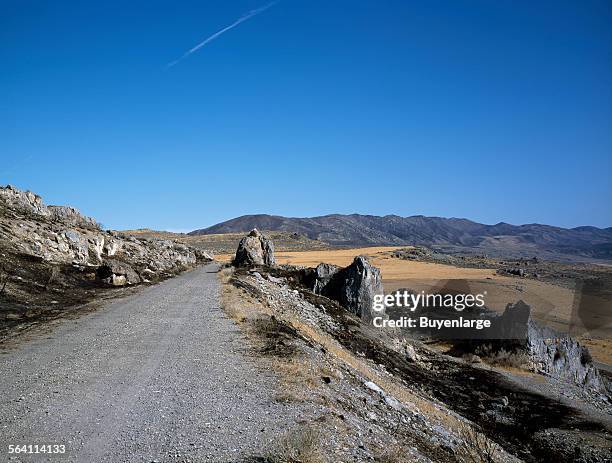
[{"x": 450, "y": 233}]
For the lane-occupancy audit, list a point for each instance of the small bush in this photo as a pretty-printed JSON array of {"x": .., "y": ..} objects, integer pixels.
[
  {"x": 301, "y": 445},
  {"x": 503, "y": 357}
]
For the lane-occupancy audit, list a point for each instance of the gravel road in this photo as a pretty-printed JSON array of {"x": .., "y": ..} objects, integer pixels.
[{"x": 161, "y": 375}]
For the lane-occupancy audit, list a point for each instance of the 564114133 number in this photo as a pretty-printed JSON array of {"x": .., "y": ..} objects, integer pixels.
[{"x": 36, "y": 448}]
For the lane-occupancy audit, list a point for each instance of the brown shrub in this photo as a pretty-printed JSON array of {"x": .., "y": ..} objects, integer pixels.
[{"x": 301, "y": 445}]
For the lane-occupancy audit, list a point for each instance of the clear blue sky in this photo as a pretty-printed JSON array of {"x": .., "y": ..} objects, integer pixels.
[{"x": 492, "y": 110}]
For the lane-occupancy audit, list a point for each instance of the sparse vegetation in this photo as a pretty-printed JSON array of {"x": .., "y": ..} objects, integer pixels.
[
  {"x": 476, "y": 447},
  {"x": 53, "y": 274},
  {"x": 301, "y": 445},
  {"x": 395, "y": 454},
  {"x": 503, "y": 357},
  {"x": 275, "y": 335}
]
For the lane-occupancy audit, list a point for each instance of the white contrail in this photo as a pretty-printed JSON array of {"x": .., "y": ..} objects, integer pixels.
[{"x": 242, "y": 19}]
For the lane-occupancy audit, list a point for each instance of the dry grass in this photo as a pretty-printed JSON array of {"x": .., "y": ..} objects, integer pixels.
[
  {"x": 414, "y": 402},
  {"x": 550, "y": 302},
  {"x": 301, "y": 445},
  {"x": 295, "y": 375},
  {"x": 552, "y": 305},
  {"x": 275, "y": 339},
  {"x": 302, "y": 381},
  {"x": 600, "y": 349},
  {"x": 395, "y": 454},
  {"x": 504, "y": 358},
  {"x": 476, "y": 447},
  {"x": 238, "y": 305}
]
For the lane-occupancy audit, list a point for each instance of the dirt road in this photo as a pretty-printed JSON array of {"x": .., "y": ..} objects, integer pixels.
[{"x": 161, "y": 375}]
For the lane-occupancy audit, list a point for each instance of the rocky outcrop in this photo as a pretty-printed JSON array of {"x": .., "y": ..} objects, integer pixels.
[
  {"x": 323, "y": 274},
  {"x": 254, "y": 249},
  {"x": 61, "y": 235},
  {"x": 550, "y": 352},
  {"x": 31, "y": 204},
  {"x": 354, "y": 287},
  {"x": 71, "y": 216},
  {"x": 23, "y": 201}
]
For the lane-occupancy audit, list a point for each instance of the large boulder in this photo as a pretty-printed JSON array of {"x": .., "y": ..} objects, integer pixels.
[
  {"x": 117, "y": 273},
  {"x": 354, "y": 287},
  {"x": 255, "y": 249},
  {"x": 204, "y": 256}
]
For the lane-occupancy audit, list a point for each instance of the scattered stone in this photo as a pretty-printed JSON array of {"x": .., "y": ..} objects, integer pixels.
[
  {"x": 500, "y": 402},
  {"x": 393, "y": 403},
  {"x": 411, "y": 354},
  {"x": 373, "y": 387},
  {"x": 273, "y": 279}
]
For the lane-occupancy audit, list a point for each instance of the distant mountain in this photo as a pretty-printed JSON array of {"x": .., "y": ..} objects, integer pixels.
[{"x": 459, "y": 234}]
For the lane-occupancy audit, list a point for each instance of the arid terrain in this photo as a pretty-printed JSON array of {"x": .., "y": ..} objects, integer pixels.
[
  {"x": 267, "y": 360},
  {"x": 56, "y": 262},
  {"x": 421, "y": 403},
  {"x": 553, "y": 296}
]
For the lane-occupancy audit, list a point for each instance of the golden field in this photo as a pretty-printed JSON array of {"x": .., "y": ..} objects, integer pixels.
[{"x": 552, "y": 304}]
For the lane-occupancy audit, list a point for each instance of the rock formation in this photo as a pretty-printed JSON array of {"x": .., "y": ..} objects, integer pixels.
[
  {"x": 62, "y": 235},
  {"x": 255, "y": 249},
  {"x": 32, "y": 204},
  {"x": 550, "y": 352},
  {"x": 322, "y": 276},
  {"x": 71, "y": 216},
  {"x": 354, "y": 287},
  {"x": 118, "y": 273}
]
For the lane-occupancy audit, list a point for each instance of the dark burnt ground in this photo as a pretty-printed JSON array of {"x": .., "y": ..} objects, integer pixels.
[
  {"x": 35, "y": 292},
  {"x": 527, "y": 427}
]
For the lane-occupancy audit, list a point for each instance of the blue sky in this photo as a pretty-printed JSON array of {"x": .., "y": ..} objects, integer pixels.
[{"x": 489, "y": 110}]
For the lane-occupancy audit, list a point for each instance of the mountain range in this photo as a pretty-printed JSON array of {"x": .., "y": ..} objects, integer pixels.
[{"x": 453, "y": 234}]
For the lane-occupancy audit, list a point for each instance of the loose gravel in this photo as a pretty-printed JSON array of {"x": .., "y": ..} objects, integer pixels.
[{"x": 162, "y": 375}]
